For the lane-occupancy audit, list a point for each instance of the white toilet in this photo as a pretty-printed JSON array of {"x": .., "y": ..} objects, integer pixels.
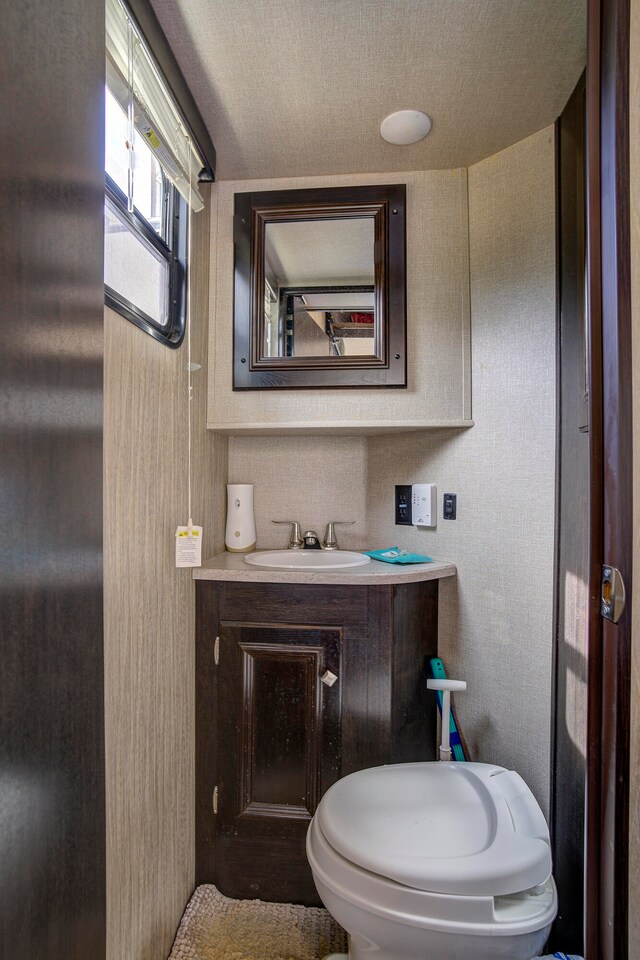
[{"x": 435, "y": 861}]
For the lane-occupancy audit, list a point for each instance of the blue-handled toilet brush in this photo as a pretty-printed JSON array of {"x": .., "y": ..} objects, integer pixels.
[{"x": 452, "y": 746}]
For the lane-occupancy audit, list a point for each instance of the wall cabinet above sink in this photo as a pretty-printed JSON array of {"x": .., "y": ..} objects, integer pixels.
[{"x": 437, "y": 392}]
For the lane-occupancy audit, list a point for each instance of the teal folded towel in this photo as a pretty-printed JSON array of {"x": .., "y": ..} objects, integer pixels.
[{"x": 396, "y": 555}]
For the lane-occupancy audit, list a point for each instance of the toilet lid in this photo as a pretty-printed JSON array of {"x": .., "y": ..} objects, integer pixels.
[{"x": 471, "y": 829}]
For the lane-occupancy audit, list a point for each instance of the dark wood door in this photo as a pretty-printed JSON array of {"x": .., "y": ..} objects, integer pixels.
[
  {"x": 52, "y": 781},
  {"x": 572, "y": 556},
  {"x": 278, "y": 752},
  {"x": 610, "y": 427}
]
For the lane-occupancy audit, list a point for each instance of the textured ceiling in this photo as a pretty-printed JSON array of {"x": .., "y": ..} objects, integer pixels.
[{"x": 298, "y": 87}]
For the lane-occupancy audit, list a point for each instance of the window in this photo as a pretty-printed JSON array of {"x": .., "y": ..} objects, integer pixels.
[{"x": 151, "y": 174}]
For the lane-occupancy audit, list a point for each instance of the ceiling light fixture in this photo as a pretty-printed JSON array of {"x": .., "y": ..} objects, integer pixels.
[{"x": 405, "y": 126}]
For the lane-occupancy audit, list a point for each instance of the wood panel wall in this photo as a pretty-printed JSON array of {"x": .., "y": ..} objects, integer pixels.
[
  {"x": 634, "y": 753},
  {"x": 149, "y": 619},
  {"x": 51, "y": 655}
]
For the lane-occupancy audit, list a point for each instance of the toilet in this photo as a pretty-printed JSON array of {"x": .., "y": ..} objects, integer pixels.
[{"x": 435, "y": 861}]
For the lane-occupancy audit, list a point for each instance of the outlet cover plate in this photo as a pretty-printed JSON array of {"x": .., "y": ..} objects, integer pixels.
[{"x": 403, "y": 504}]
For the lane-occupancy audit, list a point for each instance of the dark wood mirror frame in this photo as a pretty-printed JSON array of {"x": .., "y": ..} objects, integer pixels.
[{"x": 252, "y": 212}]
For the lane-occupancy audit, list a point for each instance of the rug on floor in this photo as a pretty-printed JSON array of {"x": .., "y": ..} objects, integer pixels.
[{"x": 216, "y": 928}]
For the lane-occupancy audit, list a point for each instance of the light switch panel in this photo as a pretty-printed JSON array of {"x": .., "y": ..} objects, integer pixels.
[{"x": 423, "y": 504}]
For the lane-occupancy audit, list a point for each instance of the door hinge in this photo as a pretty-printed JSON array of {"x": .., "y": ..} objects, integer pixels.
[
  {"x": 612, "y": 594},
  {"x": 216, "y": 651},
  {"x": 214, "y": 800}
]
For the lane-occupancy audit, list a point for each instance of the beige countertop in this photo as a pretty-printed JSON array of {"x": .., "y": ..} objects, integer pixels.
[{"x": 231, "y": 566}]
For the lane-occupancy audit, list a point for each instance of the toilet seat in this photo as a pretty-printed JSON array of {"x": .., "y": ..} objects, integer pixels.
[
  {"x": 335, "y": 876},
  {"x": 469, "y": 829}
]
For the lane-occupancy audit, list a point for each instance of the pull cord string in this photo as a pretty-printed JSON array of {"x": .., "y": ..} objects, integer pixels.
[{"x": 188, "y": 321}]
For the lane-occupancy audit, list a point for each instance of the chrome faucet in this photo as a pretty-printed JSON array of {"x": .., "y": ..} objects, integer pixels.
[
  {"x": 330, "y": 542},
  {"x": 310, "y": 539}
]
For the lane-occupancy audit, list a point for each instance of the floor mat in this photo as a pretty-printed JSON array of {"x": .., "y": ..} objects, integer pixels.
[{"x": 216, "y": 928}]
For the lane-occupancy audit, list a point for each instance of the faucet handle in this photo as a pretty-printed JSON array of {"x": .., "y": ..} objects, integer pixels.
[
  {"x": 329, "y": 542},
  {"x": 295, "y": 539}
]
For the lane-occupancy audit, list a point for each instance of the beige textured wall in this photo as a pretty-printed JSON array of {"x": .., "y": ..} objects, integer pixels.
[
  {"x": 634, "y": 811},
  {"x": 309, "y": 479},
  {"x": 437, "y": 319},
  {"x": 496, "y": 617},
  {"x": 149, "y": 622}
]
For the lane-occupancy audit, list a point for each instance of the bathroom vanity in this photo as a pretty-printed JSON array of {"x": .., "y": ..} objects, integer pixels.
[{"x": 301, "y": 677}]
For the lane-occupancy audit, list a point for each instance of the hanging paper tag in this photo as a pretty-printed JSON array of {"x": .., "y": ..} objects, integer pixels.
[{"x": 189, "y": 547}]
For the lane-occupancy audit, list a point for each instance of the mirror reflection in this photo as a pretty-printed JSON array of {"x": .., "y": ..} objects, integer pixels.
[{"x": 319, "y": 296}]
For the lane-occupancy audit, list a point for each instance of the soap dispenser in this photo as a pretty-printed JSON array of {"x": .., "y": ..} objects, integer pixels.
[{"x": 240, "y": 534}]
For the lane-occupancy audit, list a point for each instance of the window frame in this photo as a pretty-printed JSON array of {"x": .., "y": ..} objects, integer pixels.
[{"x": 175, "y": 253}]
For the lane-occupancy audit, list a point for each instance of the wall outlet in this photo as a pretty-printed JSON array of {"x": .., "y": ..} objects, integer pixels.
[
  {"x": 423, "y": 504},
  {"x": 403, "y": 504}
]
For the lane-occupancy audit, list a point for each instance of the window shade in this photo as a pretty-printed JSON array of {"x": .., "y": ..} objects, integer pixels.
[{"x": 155, "y": 114}]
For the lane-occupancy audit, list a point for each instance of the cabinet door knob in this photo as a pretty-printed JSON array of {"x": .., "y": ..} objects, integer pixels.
[{"x": 328, "y": 678}]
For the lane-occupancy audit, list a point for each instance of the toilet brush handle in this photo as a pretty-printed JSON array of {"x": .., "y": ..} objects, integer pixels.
[
  {"x": 445, "y": 746},
  {"x": 446, "y": 686}
]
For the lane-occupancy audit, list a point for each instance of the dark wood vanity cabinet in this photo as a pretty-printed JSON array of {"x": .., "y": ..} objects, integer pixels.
[{"x": 272, "y": 735}]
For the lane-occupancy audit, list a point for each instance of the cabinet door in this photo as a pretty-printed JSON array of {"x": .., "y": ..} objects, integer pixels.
[{"x": 278, "y": 751}]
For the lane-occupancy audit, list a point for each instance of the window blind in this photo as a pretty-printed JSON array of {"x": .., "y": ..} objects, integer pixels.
[{"x": 133, "y": 77}]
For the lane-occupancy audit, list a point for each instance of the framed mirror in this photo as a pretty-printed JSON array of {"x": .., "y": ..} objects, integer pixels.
[{"x": 320, "y": 288}]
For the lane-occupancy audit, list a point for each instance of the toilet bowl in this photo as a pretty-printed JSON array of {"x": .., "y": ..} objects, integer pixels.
[{"x": 434, "y": 861}]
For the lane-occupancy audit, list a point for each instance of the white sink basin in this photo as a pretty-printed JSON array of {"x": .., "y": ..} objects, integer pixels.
[{"x": 307, "y": 559}]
